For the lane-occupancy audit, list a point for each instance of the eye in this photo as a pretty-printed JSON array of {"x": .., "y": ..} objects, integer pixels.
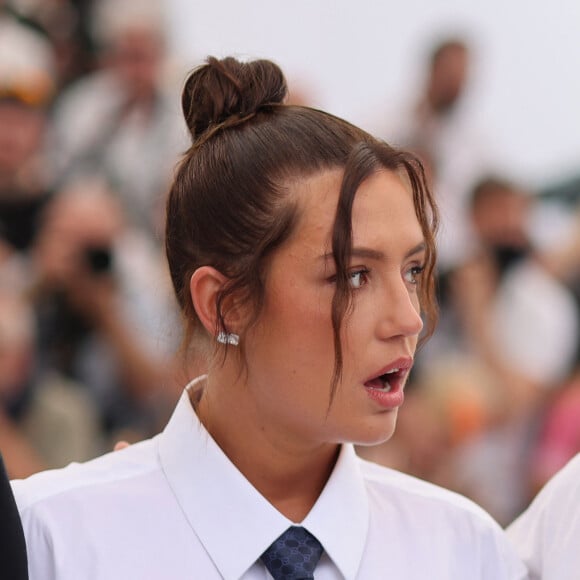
[
  {"x": 358, "y": 278},
  {"x": 413, "y": 274}
]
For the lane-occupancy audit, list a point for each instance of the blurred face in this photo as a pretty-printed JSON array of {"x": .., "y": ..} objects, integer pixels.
[
  {"x": 448, "y": 77},
  {"x": 16, "y": 345},
  {"x": 502, "y": 219},
  {"x": 290, "y": 353},
  {"x": 20, "y": 137},
  {"x": 77, "y": 220},
  {"x": 138, "y": 58}
]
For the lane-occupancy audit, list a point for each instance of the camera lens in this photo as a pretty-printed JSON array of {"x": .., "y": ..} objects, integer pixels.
[{"x": 100, "y": 260}]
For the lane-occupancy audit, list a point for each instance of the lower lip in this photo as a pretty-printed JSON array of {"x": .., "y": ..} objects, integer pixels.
[{"x": 388, "y": 400}]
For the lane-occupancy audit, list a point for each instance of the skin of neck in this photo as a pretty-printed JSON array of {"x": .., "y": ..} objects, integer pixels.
[{"x": 288, "y": 472}]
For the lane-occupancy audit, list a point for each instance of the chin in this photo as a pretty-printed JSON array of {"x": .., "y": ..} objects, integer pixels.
[{"x": 376, "y": 431}]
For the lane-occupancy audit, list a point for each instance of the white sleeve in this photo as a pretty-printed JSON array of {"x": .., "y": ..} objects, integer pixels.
[
  {"x": 41, "y": 561},
  {"x": 499, "y": 559},
  {"x": 547, "y": 534}
]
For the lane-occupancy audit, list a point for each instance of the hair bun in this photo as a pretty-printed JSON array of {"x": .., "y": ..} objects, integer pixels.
[{"x": 226, "y": 88}]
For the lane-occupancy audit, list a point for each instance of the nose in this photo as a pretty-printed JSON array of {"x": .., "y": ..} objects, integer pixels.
[{"x": 399, "y": 313}]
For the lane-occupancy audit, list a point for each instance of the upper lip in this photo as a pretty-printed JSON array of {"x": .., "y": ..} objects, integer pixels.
[{"x": 401, "y": 364}]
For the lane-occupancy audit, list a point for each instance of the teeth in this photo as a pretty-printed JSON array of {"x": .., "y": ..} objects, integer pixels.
[
  {"x": 384, "y": 378},
  {"x": 386, "y": 388},
  {"x": 386, "y": 385}
]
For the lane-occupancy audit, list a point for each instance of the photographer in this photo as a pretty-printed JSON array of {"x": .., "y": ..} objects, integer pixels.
[{"x": 100, "y": 290}]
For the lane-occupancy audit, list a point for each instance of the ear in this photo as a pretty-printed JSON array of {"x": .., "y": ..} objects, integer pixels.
[{"x": 205, "y": 285}]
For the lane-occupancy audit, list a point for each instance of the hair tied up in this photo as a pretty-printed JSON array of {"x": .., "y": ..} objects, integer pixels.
[
  {"x": 224, "y": 93},
  {"x": 216, "y": 128}
]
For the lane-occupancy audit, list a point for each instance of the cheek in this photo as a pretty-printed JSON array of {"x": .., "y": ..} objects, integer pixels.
[
  {"x": 290, "y": 360},
  {"x": 295, "y": 330},
  {"x": 306, "y": 323}
]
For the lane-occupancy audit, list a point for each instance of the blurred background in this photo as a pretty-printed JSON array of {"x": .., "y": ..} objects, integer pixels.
[
  {"x": 90, "y": 131},
  {"x": 360, "y": 59}
]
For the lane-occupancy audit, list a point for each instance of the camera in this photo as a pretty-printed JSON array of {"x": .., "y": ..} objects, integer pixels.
[{"x": 99, "y": 259}]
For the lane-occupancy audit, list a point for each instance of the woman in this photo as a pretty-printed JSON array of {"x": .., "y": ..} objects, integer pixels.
[{"x": 301, "y": 250}]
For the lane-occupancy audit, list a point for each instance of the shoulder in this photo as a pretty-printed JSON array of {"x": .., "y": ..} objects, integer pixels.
[
  {"x": 85, "y": 87},
  {"x": 557, "y": 504},
  {"x": 564, "y": 487},
  {"x": 97, "y": 93},
  {"x": 569, "y": 477},
  {"x": 392, "y": 485},
  {"x": 461, "y": 539},
  {"x": 111, "y": 469},
  {"x": 77, "y": 520},
  {"x": 547, "y": 534}
]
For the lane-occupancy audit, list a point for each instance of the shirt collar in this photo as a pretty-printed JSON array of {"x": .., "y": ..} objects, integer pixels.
[
  {"x": 234, "y": 522},
  {"x": 340, "y": 516}
]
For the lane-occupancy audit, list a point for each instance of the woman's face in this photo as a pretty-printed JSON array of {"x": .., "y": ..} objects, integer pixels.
[{"x": 290, "y": 352}]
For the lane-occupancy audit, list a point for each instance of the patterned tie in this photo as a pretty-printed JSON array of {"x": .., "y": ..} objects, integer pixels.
[{"x": 293, "y": 556}]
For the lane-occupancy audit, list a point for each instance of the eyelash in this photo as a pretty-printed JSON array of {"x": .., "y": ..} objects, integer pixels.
[
  {"x": 414, "y": 273},
  {"x": 361, "y": 272}
]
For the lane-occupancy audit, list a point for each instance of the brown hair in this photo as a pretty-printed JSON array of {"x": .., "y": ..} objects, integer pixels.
[{"x": 231, "y": 205}]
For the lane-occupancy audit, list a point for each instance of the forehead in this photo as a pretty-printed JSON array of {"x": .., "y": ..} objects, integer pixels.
[{"x": 383, "y": 210}]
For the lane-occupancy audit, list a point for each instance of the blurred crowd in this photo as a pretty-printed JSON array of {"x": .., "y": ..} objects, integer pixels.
[
  {"x": 90, "y": 132},
  {"x": 493, "y": 409}
]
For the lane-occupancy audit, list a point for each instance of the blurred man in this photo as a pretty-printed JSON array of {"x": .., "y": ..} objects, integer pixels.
[
  {"x": 121, "y": 123},
  {"x": 440, "y": 129},
  {"x": 26, "y": 88}
]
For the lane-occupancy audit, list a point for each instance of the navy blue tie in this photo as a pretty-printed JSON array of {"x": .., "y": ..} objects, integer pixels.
[{"x": 293, "y": 556}]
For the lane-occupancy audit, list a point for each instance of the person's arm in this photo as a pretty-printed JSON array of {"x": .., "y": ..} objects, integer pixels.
[
  {"x": 474, "y": 290},
  {"x": 142, "y": 374},
  {"x": 21, "y": 459},
  {"x": 563, "y": 261}
]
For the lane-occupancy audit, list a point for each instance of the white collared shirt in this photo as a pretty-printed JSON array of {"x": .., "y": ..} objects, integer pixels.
[
  {"x": 547, "y": 534},
  {"x": 174, "y": 507}
]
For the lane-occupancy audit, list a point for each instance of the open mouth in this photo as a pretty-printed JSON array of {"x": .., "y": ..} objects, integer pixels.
[{"x": 389, "y": 381}]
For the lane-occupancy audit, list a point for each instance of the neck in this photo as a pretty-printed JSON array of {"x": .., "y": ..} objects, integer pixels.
[{"x": 290, "y": 473}]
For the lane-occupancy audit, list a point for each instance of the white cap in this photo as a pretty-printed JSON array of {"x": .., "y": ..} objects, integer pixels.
[{"x": 27, "y": 70}]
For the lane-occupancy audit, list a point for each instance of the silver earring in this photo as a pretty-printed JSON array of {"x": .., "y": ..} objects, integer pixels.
[{"x": 228, "y": 338}]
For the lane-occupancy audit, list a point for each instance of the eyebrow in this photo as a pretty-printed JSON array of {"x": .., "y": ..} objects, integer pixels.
[{"x": 369, "y": 253}]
